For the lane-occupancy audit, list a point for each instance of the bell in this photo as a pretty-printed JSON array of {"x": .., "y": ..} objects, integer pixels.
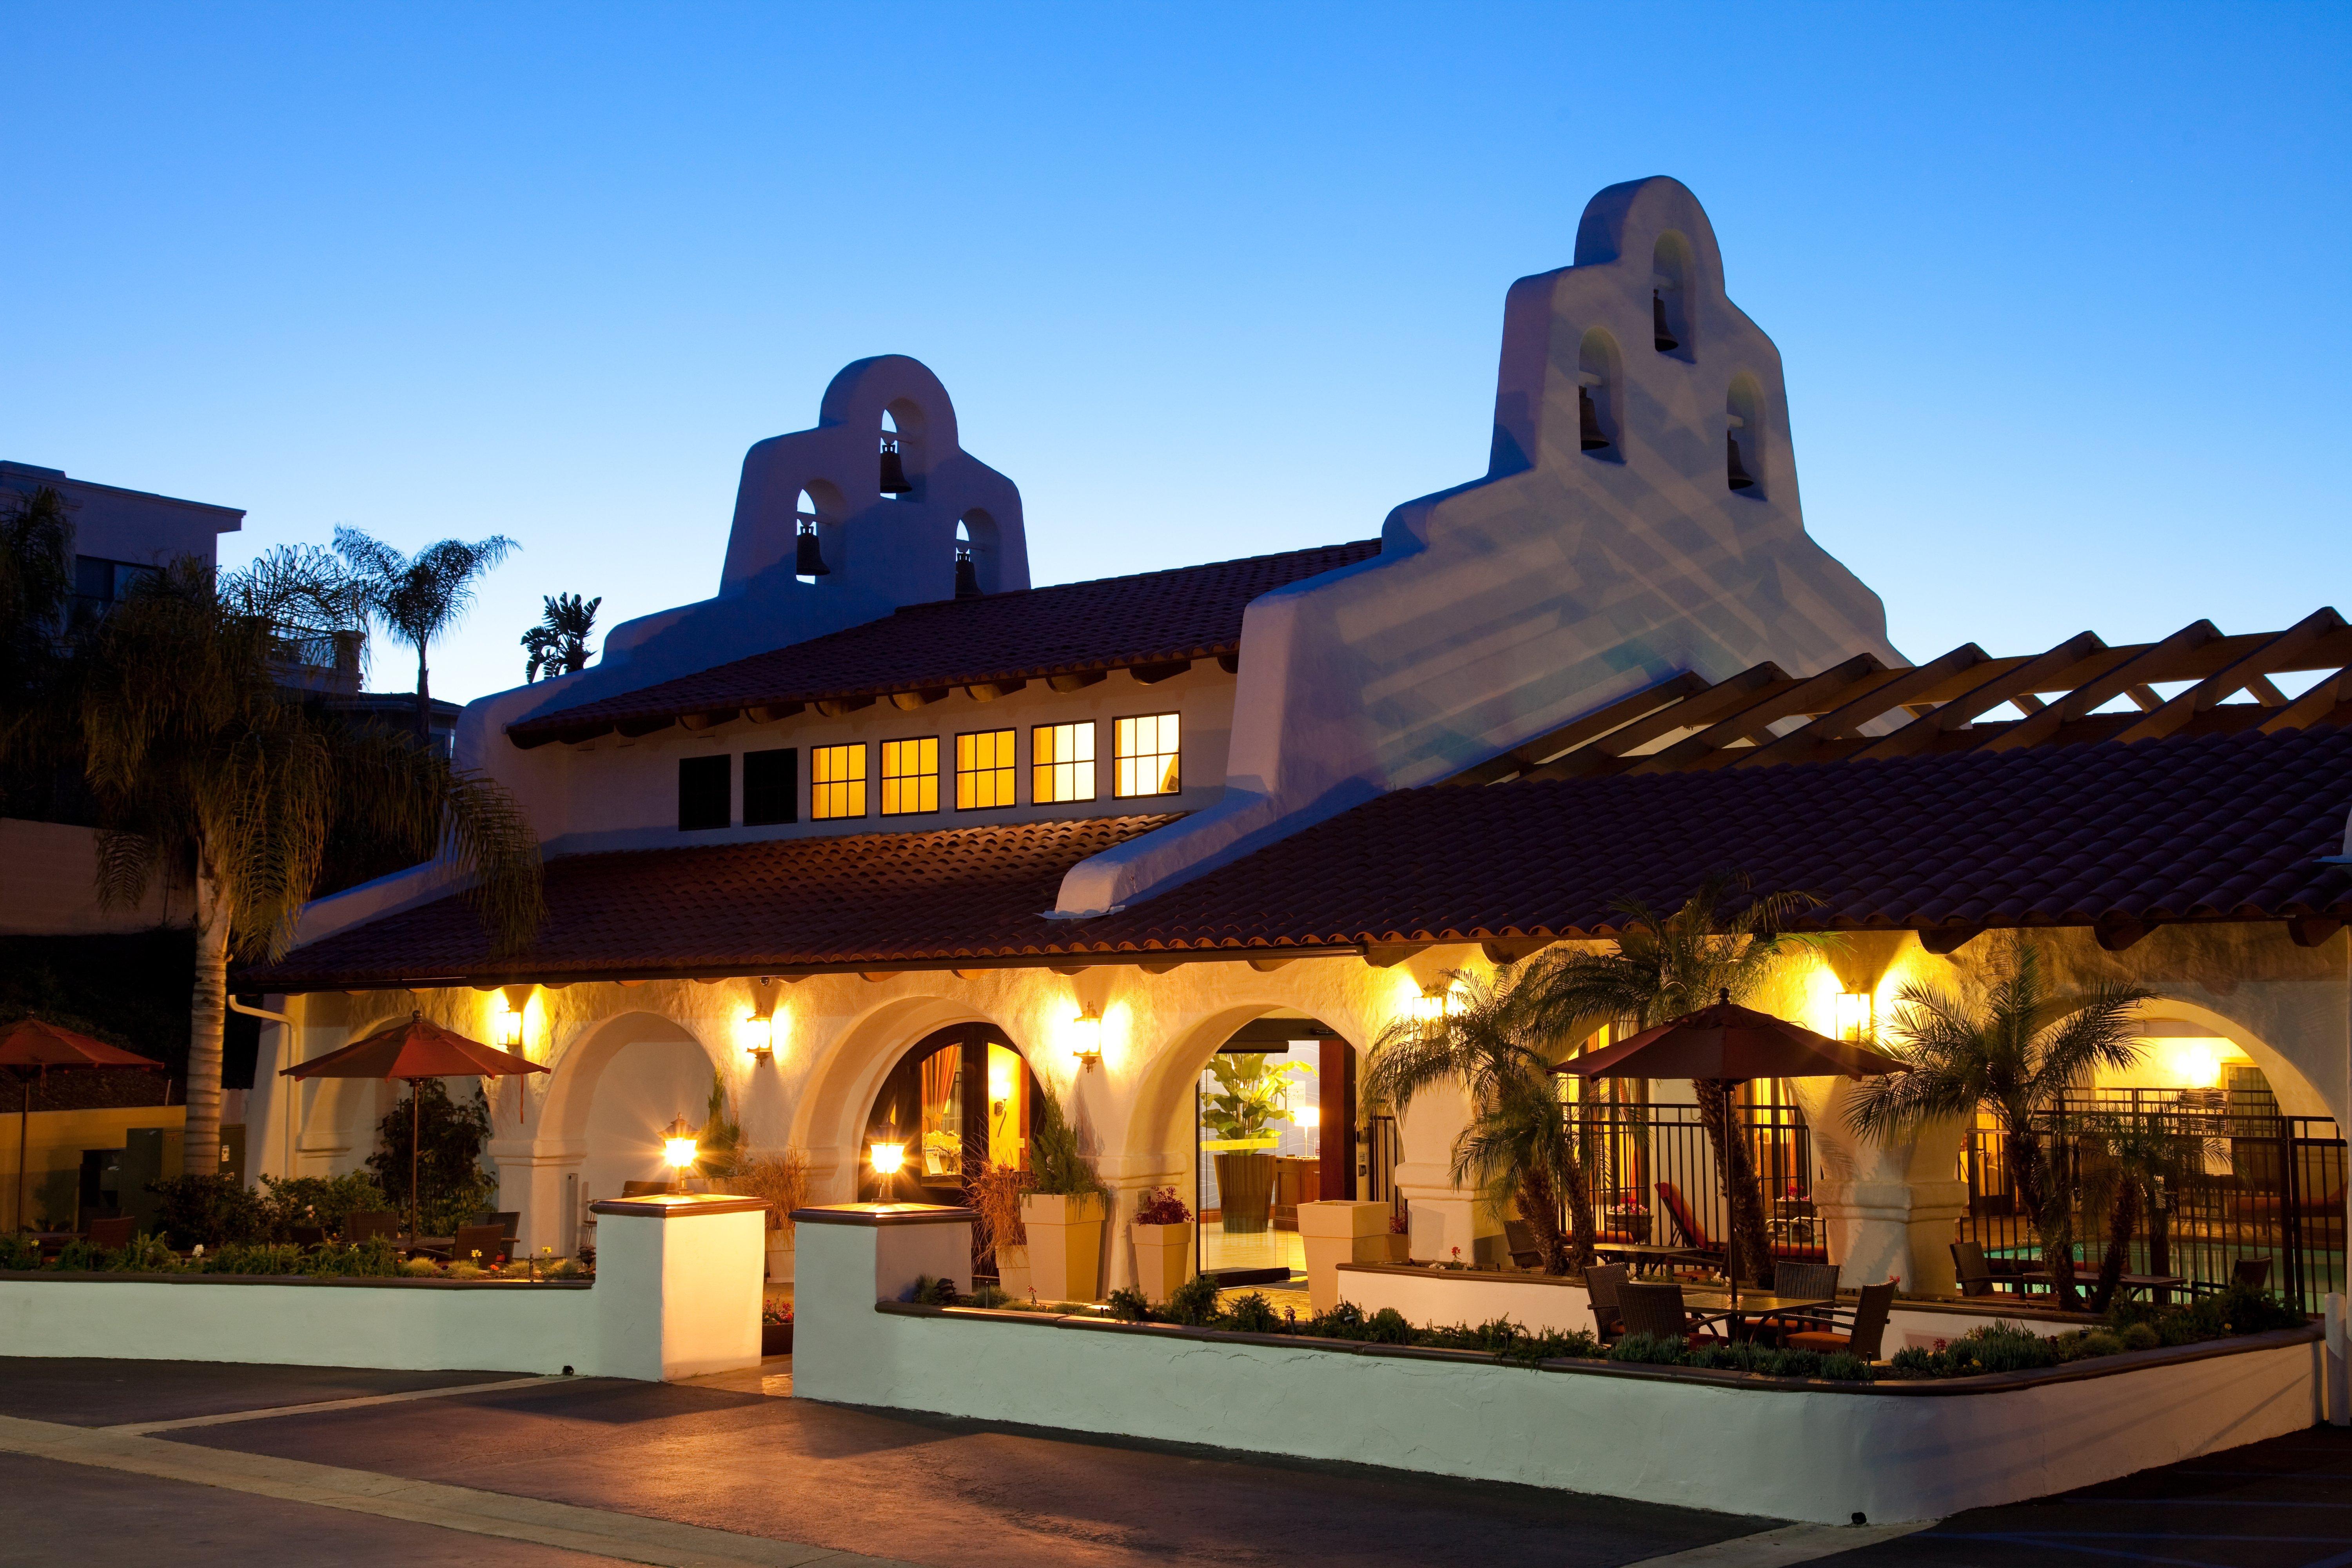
[
  {"x": 808, "y": 562},
  {"x": 1588, "y": 421},
  {"x": 967, "y": 576},
  {"x": 1739, "y": 477},
  {"x": 894, "y": 472},
  {"x": 1667, "y": 341}
]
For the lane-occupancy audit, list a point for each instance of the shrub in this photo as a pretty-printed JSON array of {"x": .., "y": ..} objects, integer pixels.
[
  {"x": 1162, "y": 1207},
  {"x": 1056, "y": 1154},
  {"x": 1253, "y": 1314},
  {"x": 930, "y": 1292},
  {"x": 1841, "y": 1366},
  {"x": 19, "y": 1253},
  {"x": 776, "y": 1312},
  {"x": 2089, "y": 1343},
  {"x": 1345, "y": 1321},
  {"x": 210, "y": 1212},
  {"x": 1128, "y": 1306},
  {"x": 782, "y": 1179},
  {"x": 2140, "y": 1337},
  {"x": 451, "y": 1185},
  {"x": 1648, "y": 1350},
  {"x": 325, "y": 1201},
  {"x": 421, "y": 1268},
  {"x": 145, "y": 1254},
  {"x": 1388, "y": 1327},
  {"x": 1194, "y": 1303}
]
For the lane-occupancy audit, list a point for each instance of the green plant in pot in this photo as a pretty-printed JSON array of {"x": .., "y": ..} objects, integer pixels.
[
  {"x": 1062, "y": 1210},
  {"x": 1253, "y": 1094}
]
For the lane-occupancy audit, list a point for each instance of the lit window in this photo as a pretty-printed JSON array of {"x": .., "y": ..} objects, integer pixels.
[
  {"x": 985, "y": 770},
  {"x": 1145, "y": 752},
  {"x": 1061, "y": 763},
  {"x": 836, "y": 782},
  {"x": 911, "y": 776}
]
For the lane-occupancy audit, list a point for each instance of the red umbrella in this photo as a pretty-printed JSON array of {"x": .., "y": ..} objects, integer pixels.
[
  {"x": 29, "y": 1043},
  {"x": 412, "y": 1050},
  {"x": 1728, "y": 1044}
]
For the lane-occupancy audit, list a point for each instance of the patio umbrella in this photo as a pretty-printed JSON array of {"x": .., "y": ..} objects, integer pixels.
[
  {"x": 29, "y": 1043},
  {"x": 412, "y": 1050},
  {"x": 1728, "y": 1044}
]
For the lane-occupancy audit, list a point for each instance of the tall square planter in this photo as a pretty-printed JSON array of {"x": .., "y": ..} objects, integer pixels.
[
  {"x": 1012, "y": 1275},
  {"x": 1064, "y": 1245},
  {"x": 1164, "y": 1257}
]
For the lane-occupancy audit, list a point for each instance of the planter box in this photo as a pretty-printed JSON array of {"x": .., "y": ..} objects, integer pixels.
[
  {"x": 1338, "y": 1231},
  {"x": 1164, "y": 1257},
  {"x": 1013, "y": 1273},
  {"x": 1064, "y": 1245},
  {"x": 775, "y": 1339},
  {"x": 780, "y": 1257},
  {"x": 1442, "y": 1296},
  {"x": 1244, "y": 1192}
]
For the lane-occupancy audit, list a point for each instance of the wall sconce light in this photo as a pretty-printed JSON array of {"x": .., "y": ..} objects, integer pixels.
[
  {"x": 1433, "y": 1005},
  {"x": 760, "y": 1036},
  {"x": 680, "y": 1147},
  {"x": 1857, "y": 1016},
  {"x": 1088, "y": 1048},
  {"x": 513, "y": 1000}
]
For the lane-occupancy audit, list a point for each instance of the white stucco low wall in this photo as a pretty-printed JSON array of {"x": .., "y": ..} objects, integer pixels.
[
  {"x": 1805, "y": 1455},
  {"x": 1442, "y": 1298},
  {"x": 418, "y": 1327}
]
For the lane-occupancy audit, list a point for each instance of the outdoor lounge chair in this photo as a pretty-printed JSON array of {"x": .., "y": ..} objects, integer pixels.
[
  {"x": 112, "y": 1234},
  {"x": 1866, "y": 1329},
  {"x": 366, "y": 1224},
  {"x": 2254, "y": 1273},
  {"x": 1519, "y": 1237},
  {"x": 1648, "y": 1308},
  {"x": 1602, "y": 1283},
  {"x": 1968, "y": 1264},
  {"x": 494, "y": 1245},
  {"x": 1688, "y": 1232}
]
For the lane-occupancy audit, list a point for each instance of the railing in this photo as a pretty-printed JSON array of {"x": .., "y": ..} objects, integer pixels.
[
  {"x": 1384, "y": 1149},
  {"x": 1655, "y": 1178},
  {"x": 2234, "y": 1182}
]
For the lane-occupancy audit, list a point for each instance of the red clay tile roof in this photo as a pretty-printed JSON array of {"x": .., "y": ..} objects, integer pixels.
[
  {"x": 2202, "y": 828},
  {"x": 1156, "y": 617},
  {"x": 735, "y": 907}
]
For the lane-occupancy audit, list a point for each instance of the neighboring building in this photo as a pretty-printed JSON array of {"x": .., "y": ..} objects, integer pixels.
[{"x": 890, "y": 856}]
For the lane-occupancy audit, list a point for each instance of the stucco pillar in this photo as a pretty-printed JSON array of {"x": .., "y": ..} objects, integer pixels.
[
  {"x": 531, "y": 1183},
  {"x": 1132, "y": 1178},
  {"x": 1443, "y": 1217},
  {"x": 1890, "y": 1209}
]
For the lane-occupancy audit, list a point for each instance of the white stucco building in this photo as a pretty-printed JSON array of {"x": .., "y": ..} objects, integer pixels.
[{"x": 898, "y": 818}]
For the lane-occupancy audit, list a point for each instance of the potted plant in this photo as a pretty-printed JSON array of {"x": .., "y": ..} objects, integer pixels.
[
  {"x": 1162, "y": 1229},
  {"x": 1399, "y": 1240},
  {"x": 776, "y": 1329},
  {"x": 783, "y": 1180},
  {"x": 1064, "y": 1209},
  {"x": 995, "y": 1197},
  {"x": 1253, "y": 1094}
]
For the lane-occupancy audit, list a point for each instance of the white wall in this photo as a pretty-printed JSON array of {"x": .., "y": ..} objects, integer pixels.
[{"x": 643, "y": 1086}]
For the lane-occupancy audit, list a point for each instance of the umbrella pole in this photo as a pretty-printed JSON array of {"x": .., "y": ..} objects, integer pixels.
[
  {"x": 416, "y": 1120},
  {"x": 23, "y": 1131}
]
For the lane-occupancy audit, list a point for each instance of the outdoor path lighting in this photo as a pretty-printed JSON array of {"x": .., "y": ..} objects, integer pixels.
[{"x": 680, "y": 1147}]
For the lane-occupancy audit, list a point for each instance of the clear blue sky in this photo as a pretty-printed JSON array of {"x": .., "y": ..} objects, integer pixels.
[{"x": 2061, "y": 291}]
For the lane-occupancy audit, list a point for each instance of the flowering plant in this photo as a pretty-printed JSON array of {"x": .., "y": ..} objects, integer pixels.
[
  {"x": 1162, "y": 1207},
  {"x": 776, "y": 1312}
]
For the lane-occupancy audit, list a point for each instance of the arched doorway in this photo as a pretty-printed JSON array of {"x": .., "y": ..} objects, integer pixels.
[
  {"x": 959, "y": 1097},
  {"x": 1276, "y": 1125}
]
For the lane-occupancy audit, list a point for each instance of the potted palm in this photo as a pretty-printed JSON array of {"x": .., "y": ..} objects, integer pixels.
[
  {"x": 1063, "y": 1211},
  {"x": 1162, "y": 1229},
  {"x": 1252, "y": 1095}
]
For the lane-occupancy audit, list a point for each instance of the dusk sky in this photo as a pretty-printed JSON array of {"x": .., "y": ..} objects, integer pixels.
[{"x": 2061, "y": 295}]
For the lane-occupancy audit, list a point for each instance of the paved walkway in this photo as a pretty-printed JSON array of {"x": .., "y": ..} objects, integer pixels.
[{"x": 261, "y": 1465}]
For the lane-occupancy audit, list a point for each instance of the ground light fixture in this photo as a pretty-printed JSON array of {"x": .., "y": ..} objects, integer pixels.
[
  {"x": 1088, "y": 1030},
  {"x": 678, "y": 1147},
  {"x": 887, "y": 1160}
]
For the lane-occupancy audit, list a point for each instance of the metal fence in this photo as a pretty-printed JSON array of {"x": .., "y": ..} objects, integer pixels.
[
  {"x": 1384, "y": 1151},
  {"x": 2224, "y": 1180},
  {"x": 1655, "y": 1177}
]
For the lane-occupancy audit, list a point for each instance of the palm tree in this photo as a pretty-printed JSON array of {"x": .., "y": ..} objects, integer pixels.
[
  {"x": 2012, "y": 1053},
  {"x": 36, "y": 588},
  {"x": 559, "y": 644},
  {"x": 197, "y": 757},
  {"x": 1519, "y": 1147},
  {"x": 2131, "y": 1157},
  {"x": 1663, "y": 966},
  {"x": 422, "y": 596}
]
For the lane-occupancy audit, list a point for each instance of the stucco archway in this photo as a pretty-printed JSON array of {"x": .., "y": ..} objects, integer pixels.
[{"x": 829, "y": 1122}]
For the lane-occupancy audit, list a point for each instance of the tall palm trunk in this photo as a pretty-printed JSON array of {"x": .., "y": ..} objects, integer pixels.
[
  {"x": 1579, "y": 1188},
  {"x": 423, "y": 699},
  {"x": 1746, "y": 1247},
  {"x": 207, "y": 1014},
  {"x": 2123, "y": 1219},
  {"x": 2052, "y": 1217},
  {"x": 1539, "y": 1207}
]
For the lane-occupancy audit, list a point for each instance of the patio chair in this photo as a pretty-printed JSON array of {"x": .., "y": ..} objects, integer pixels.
[
  {"x": 1866, "y": 1329},
  {"x": 366, "y": 1224},
  {"x": 493, "y": 1243},
  {"x": 113, "y": 1234},
  {"x": 1968, "y": 1263},
  {"x": 2254, "y": 1273},
  {"x": 307, "y": 1234},
  {"x": 1520, "y": 1237},
  {"x": 1692, "y": 1234},
  {"x": 1602, "y": 1283},
  {"x": 1648, "y": 1308},
  {"x": 507, "y": 1220}
]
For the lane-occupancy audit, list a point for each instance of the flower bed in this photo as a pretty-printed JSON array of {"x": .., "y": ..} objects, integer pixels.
[{"x": 147, "y": 1256}]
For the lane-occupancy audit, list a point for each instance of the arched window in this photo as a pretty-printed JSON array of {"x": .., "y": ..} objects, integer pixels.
[
  {"x": 1597, "y": 384},
  {"x": 1670, "y": 312},
  {"x": 1743, "y": 437}
]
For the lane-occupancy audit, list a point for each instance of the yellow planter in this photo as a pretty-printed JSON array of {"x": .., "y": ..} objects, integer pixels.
[
  {"x": 1164, "y": 1257},
  {"x": 1064, "y": 1245}
]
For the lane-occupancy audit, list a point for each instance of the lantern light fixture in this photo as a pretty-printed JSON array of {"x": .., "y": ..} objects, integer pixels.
[
  {"x": 680, "y": 1147},
  {"x": 1088, "y": 1048},
  {"x": 1433, "y": 1005},
  {"x": 1857, "y": 1016},
  {"x": 510, "y": 1029},
  {"x": 760, "y": 1036},
  {"x": 887, "y": 1159}
]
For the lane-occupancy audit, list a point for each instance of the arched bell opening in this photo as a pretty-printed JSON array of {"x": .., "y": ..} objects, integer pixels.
[
  {"x": 816, "y": 527},
  {"x": 1597, "y": 382},
  {"x": 901, "y": 459},
  {"x": 1671, "y": 271},
  {"x": 958, "y": 1099},
  {"x": 1743, "y": 456}
]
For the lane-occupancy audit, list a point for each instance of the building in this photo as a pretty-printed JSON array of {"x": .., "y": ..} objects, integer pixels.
[{"x": 881, "y": 825}]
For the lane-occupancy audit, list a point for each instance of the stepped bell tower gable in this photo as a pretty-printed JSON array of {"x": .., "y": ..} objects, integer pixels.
[{"x": 871, "y": 509}]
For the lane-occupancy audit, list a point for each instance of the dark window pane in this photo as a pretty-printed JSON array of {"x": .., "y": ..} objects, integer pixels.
[
  {"x": 703, "y": 792},
  {"x": 94, "y": 578},
  {"x": 771, "y": 787}
]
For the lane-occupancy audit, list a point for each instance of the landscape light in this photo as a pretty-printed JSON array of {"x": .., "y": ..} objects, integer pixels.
[{"x": 680, "y": 1147}]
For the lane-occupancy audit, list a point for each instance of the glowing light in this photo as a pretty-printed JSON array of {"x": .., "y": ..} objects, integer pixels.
[
  {"x": 509, "y": 1029},
  {"x": 2192, "y": 1063},
  {"x": 887, "y": 1159},
  {"x": 1000, "y": 1079},
  {"x": 759, "y": 1034},
  {"x": 1857, "y": 1015},
  {"x": 1086, "y": 1037},
  {"x": 1309, "y": 1117},
  {"x": 1435, "y": 1005},
  {"x": 679, "y": 1146}
]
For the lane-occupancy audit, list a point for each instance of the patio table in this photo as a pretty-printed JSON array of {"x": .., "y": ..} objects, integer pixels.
[
  {"x": 1647, "y": 1257},
  {"x": 1713, "y": 1309}
]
